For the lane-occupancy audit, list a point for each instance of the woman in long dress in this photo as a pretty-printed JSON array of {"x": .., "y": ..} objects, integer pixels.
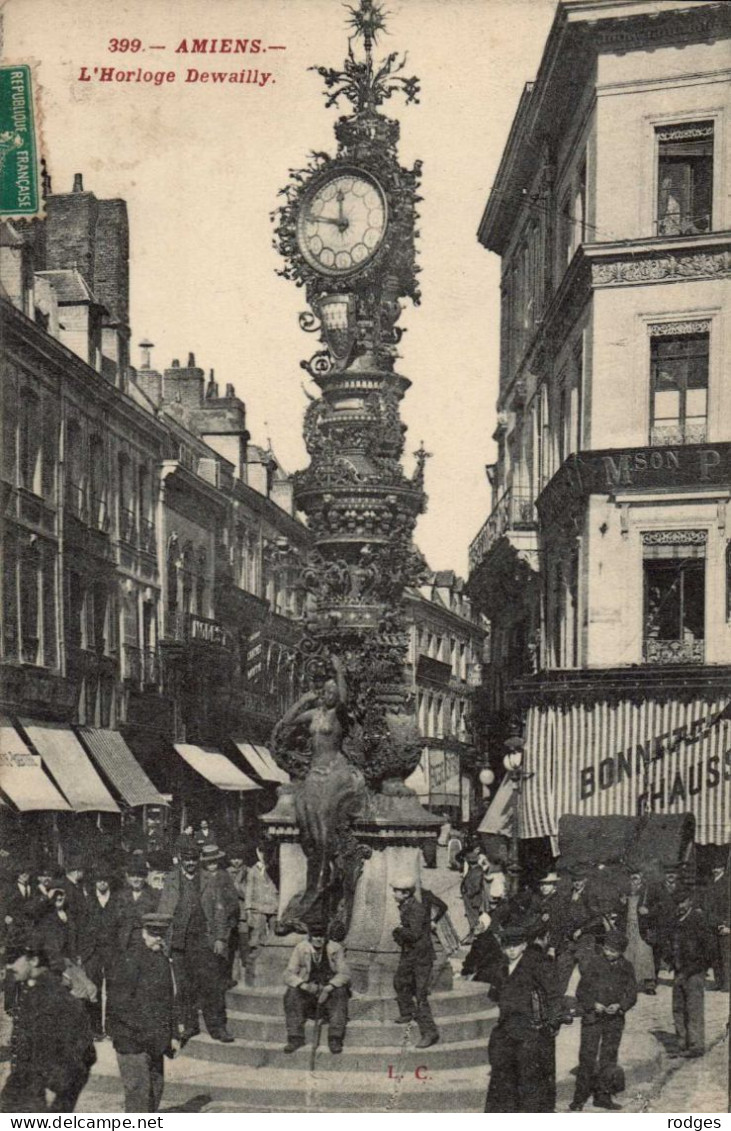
[{"x": 638, "y": 952}]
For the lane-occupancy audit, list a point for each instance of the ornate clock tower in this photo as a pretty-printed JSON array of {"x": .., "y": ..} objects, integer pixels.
[{"x": 347, "y": 233}]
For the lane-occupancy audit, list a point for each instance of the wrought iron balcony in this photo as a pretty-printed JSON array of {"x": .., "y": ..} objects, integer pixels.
[
  {"x": 514, "y": 511},
  {"x": 688, "y": 651},
  {"x": 662, "y": 435}
]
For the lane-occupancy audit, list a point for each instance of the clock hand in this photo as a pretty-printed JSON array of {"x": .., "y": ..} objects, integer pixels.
[{"x": 325, "y": 220}]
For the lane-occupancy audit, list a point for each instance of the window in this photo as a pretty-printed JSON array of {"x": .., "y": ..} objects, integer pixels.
[
  {"x": 50, "y": 638},
  {"x": 10, "y": 428},
  {"x": 679, "y": 385},
  {"x": 674, "y": 598},
  {"x": 684, "y": 179},
  {"x": 30, "y": 442},
  {"x": 30, "y": 577},
  {"x": 10, "y": 595},
  {"x": 49, "y": 455}
]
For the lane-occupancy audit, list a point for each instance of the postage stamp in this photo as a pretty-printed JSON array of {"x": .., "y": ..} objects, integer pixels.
[{"x": 19, "y": 194}]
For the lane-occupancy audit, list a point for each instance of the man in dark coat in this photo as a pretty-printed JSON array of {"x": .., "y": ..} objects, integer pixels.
[
  {"x": 98, "y": 941},
  {"x": 485, "y": 958},
  {"x": 198, "y": 904},
  {"x": 51, "y": 1047},
  {"x": 413, "y": 974},
  {"x": 136, "y": 900},
  {"x": 659, "y": 914},
  {"x": 57, "y": 929},
  {"x": 690, "y": 956},
  {"x": 472, "y": 889},
  {"x": 522, "y": 1046},
  {"x": 18, "y": 908},
  {"x": 716, "y": 904},
  {"x": 144, "y": 1019},
  {"x": 607, "y": 990},
  {"x": 76, "y": 893}
]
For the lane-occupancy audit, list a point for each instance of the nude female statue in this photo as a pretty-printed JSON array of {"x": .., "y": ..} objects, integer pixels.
[{"x": 329, "y": 795}]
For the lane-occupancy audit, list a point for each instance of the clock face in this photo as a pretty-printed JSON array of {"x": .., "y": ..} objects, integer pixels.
[{"x": 342, "y": 222}]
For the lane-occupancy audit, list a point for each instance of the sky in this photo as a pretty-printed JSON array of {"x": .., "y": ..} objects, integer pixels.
[{"x": 200, "y": 166}]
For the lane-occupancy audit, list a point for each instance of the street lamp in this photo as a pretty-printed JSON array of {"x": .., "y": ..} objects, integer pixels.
[{"x": 513, "y": 763}]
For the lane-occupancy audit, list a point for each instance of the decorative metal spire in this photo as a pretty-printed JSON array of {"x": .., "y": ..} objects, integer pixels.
[{"x": 358, "y": 81}]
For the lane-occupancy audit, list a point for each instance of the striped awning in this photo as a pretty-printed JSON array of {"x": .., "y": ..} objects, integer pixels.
[
  {"x": 214, "y": 767},
  {"x": 69, "y": 766},
  {"x": 261, "y": 762},
  {"x": 115, "y": 759},
  {"x": 22, "y": 777},
  {"x": 626, "y": 758}
]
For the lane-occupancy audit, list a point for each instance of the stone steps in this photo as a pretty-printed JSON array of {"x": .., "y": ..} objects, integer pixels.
[
  {"x": 298, "y": 1090},
  {"x": 373, "y": 1059},
  {"x": 366, "y": 1032},
  {"x": 465, "y": 998}
]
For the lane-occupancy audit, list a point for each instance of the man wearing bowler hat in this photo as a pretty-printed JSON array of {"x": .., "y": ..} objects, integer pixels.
[
  {"x": 413, "y": 974},
  {"x": 144, "y": 1017},
  {"x": 98, "y": 939},
  {"x": 196, "y": 897},
  {"x": 136, "y": 900},
  {"x": 522, "y": 1046},
  {"x": 606, "y": 992}
]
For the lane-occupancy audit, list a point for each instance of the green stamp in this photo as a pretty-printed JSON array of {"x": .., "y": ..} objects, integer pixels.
[{"x": 18, "y": 155}]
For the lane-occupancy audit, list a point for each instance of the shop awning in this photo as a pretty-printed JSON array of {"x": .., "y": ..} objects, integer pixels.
[
  {"x": 70, "y": 766},
  {"x": 114, "y": 757},
  {"x": 627, "y": 759},
  {"x": 22, "y": 777},
  {"x": 261, "y": 762},
  {"x": 214, "y": 767},
  {"x": 498, "y": 819}
]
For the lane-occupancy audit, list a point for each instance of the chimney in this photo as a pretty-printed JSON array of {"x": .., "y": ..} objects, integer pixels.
[
  {"x": 146, "y": 357},
  {"x": 78, "y": 183}
]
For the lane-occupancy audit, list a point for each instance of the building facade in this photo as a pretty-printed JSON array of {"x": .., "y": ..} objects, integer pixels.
[
  {"x": 604, "y": 566},
  {"x": 149, "y": 550},
  {"x": 445, "y": 663}
]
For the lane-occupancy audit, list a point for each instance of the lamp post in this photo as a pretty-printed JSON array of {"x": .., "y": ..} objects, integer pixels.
[{"x": 513, "y": 763}]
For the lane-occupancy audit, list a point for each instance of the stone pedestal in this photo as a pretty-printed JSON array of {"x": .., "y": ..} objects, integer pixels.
[{"x": 394, "y": 827}]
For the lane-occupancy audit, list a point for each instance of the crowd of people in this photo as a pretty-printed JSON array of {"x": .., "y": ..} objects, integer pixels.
[
  {"x": 134, "y": 949},
  {"x": 584, "y": 945},
  {"x": 137, "y": 949}
]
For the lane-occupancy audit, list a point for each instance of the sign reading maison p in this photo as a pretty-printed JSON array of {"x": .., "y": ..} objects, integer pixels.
[{"x": 18, "y": 151}]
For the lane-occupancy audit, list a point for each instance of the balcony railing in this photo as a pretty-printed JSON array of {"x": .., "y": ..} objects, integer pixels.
[
  {"x": 674, "y": 651},
  {"x": 187, "y": 627},
  {"x": 662, "y": 435},
  {"x": 514, "y": 511},
  {"x": 677, "y": 223}
]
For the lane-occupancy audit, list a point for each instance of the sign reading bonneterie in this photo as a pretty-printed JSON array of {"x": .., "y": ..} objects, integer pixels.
[{"x": 627, "y": 759}]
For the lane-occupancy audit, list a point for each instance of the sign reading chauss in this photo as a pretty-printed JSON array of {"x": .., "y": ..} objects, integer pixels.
[{"x": 626, "y": 759}]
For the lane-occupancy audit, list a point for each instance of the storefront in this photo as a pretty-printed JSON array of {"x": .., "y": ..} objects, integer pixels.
[{"x": 626, "y": 758}]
